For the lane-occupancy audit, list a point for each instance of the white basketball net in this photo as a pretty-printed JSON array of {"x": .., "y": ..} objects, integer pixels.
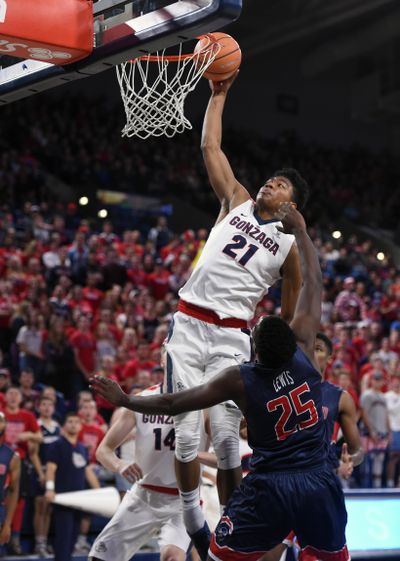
[{"x": 154, "y": 89}]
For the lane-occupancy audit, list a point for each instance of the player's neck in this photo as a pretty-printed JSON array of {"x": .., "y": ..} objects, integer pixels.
[{"x": 263, "y": 213}]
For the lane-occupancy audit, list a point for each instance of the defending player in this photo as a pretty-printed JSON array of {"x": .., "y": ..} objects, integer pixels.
[
  {"x": 292, "y": 485},
  {"x": 338, "y": 407},
  {"x": 244, "y": 255},
  {"x": 153, "y": 503}
]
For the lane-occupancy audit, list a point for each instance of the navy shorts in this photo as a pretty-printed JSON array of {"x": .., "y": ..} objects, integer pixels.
[{"x": 267, "y": 506}]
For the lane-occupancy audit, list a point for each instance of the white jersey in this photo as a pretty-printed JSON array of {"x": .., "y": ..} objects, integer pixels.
[
  {"x": 241, "y": 260},
  {"x": 155, "y": 446}
]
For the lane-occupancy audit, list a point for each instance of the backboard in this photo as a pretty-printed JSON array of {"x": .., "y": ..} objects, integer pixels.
[{"x": 123, "y": 29}]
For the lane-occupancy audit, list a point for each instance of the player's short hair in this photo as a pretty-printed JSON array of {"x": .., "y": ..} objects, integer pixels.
[
  {"x": 274, "y": 341},
  {"x": 300, "y": 186},
  {"x": 325, "y": 339}
]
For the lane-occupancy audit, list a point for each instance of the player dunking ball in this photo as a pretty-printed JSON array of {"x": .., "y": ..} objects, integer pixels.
[
  {"x": 292, "y": 485},
  {"x": 244, "y": 255}
]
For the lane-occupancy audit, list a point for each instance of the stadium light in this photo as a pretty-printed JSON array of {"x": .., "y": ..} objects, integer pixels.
[
  {"x": 102, "y": 213},
  {"x": 380, "y": 256},
  {"x": 83, "y": 201},
  {"x": 336, "y": 234}
]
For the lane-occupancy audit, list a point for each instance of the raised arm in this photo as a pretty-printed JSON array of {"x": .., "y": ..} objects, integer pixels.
[
  {"x": 307, "y": 315},
  {"x": 223, "y": 387},
  {"x": 291, "y": 284},
  {"x": 227, "y": 188}
]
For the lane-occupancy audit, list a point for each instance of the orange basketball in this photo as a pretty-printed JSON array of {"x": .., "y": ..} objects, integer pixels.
[{"x": 227, "y": 60}]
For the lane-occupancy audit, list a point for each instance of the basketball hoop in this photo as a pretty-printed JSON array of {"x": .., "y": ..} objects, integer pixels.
[{"x": 154, "y": 88}]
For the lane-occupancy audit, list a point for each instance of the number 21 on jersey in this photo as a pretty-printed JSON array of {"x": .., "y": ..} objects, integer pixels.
[{"x": 289, "y": 404}]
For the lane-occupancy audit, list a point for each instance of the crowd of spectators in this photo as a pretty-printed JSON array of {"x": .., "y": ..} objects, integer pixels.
[
  {"x": 80, "y": 142},
  {"x": 78, "y": 298}
]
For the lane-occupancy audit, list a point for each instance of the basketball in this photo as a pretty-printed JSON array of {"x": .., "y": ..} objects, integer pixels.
[{"x": 227, "y": 60}]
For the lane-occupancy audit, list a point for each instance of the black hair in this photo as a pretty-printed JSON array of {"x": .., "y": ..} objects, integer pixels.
[
  {"x": 69, "y": 415},
  {"x": 301, "y": 190},
  {"x": 27, "y": 369},
  {"x": 275, "y": 342},
  {"x": 325, "y": 339}
]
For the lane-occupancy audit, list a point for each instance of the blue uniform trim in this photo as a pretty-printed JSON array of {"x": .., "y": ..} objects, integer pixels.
[
  {"x": 262, "y": 222},
  {"x": 170, "y": 388}
]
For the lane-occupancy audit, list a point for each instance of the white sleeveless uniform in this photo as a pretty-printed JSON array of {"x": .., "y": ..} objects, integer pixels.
[
  {"x": 146, "y": 512},
  {"x": 242, "y": 258},
  {"x": 239, "y": 263}
]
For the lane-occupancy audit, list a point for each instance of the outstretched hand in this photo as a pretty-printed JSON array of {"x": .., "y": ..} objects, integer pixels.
[
  {"x": 109, "y": 389},
  {"x": 223, "y": 86},
  {"x": 290, "y": 217}
]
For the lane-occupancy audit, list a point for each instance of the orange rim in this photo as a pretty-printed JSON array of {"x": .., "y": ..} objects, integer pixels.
[{"x": 177, "y": 58}]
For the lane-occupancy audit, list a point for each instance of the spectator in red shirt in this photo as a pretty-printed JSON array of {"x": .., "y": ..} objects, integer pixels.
[
  {"x": 83, "y": 397},
  {"x": 92, "y": 295},
  {"x": 91, "y": 434},
  {"x": 141, "y": 362},
  {"x": 84, "y": 346},
  {"x": 22, "y": 435},
  {"x": 158, "y": 280}
]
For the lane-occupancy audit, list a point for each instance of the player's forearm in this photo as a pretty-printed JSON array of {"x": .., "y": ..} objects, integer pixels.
[
  {"x": 212, "y": 125},
  {"x": 357, "y": 457},
  {"x": 107, "y": 457},
  {"x": 309, "y": 263},
  {"x": 157, "y": 404}
]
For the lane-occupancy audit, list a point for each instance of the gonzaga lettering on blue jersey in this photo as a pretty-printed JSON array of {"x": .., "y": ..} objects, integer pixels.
[
  {"x": 284, "y": 417},
  {"x": 71, "y": 462},
  {"x": 50, "y": 434},
  {"x": 331, "y": 395}
]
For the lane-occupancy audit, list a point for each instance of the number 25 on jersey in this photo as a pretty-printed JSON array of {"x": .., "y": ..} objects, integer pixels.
[{"x": 292, "y": 404}]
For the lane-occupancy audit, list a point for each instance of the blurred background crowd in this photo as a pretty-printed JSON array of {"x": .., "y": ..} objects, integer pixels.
[{"x": 80, "y": 297}]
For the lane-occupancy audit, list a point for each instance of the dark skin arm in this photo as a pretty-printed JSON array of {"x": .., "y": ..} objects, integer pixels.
[
  {"x": 229, "y": 191},
  {"x": 348, "y": 423},
  {"x": 307, "y": 315},
  {"x": 291, "y": 284},
  {"x": 227, "y": 385}
]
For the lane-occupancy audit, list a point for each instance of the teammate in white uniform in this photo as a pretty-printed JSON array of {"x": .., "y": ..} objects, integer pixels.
[
  {"x": 245, "y": 254},
  {"x": 152, "y": 505}
]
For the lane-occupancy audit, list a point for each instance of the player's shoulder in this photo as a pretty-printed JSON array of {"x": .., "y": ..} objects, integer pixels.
[{"x": 331, "y": 387}]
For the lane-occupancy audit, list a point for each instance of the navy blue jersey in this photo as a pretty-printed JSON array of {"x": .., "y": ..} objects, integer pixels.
[
  {"x": 71, "y": 462},
  {"x": 50, "y": 434},
  {"x": 331, "y": 395},
  {"x": 286, "y": 429},
  {"x": 6, "y": 454}
]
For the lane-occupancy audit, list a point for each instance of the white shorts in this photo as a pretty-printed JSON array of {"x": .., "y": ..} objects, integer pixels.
[
  {"x": 141, "y": 515},
  {"x": 198, "y": 350}
]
